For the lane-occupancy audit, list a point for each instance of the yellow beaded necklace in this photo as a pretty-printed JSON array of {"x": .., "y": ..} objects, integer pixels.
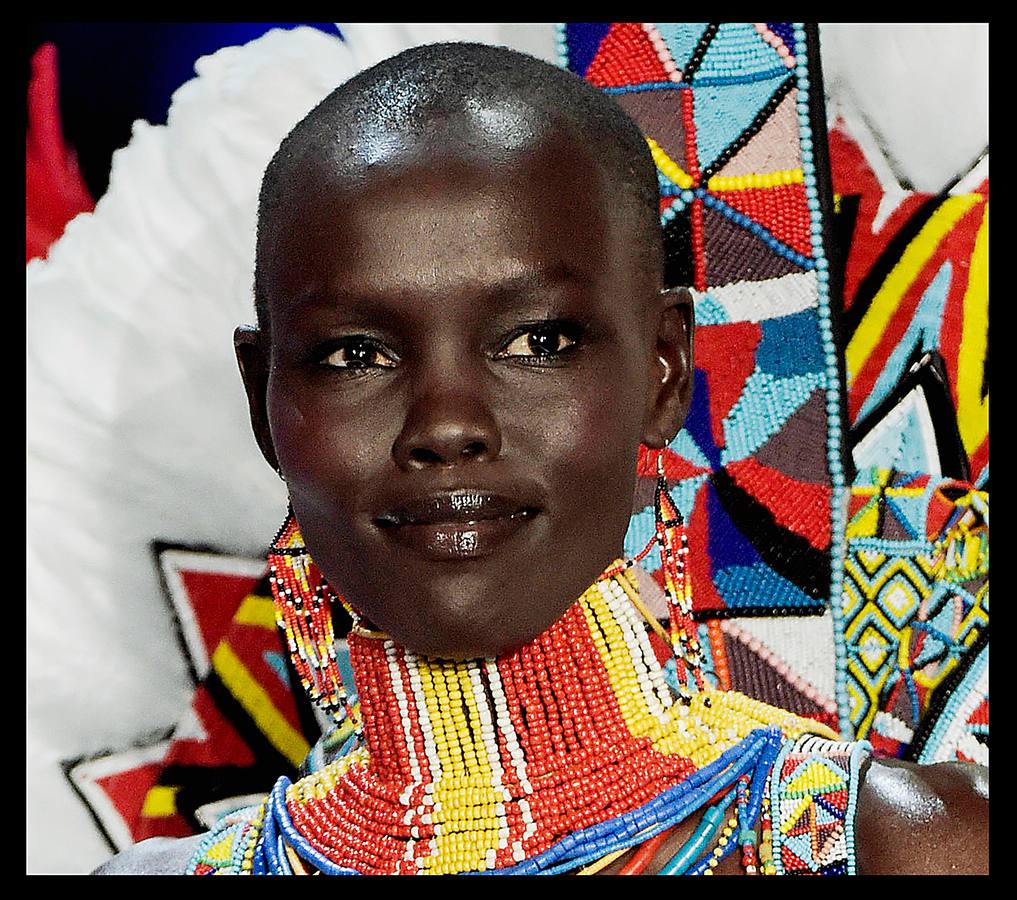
[{"x": 482, "y": 764}]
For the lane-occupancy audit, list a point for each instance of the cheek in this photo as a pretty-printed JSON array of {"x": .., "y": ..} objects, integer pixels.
[
  {"x": 323, "y": 446},
  {"x": 592, "y": 443}
]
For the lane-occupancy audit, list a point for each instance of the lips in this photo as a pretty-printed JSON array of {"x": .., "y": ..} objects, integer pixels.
[{"x": 457, "y": 524}]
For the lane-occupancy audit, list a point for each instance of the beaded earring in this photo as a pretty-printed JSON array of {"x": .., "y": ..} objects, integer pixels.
[
  {"x": 303, "y": 610},
  {"x": 672, "y": 540}
]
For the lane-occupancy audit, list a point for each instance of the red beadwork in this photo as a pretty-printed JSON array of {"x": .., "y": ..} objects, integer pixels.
[
  {"x": 626, "y": 56},
  {"x": 698, "y": 245},
  {"x": 782, "y": 209},
  {"x": 583, "y": 764}
]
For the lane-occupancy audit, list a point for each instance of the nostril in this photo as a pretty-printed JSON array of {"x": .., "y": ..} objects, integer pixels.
[
  {"x": 425, "y": 456},
  {"x": 447, "y": 433}
]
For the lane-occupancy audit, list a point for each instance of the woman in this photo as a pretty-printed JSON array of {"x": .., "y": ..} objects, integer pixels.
[{"x": 463, "y": 344}]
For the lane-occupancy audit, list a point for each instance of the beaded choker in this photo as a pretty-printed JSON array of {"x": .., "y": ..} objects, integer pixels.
[{"x": 544, "y": 760}]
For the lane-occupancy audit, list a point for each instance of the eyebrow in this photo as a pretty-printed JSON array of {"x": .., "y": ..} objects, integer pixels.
[
  {"x": 372, "y": 303},
  {"x": 534, "y": 281}
]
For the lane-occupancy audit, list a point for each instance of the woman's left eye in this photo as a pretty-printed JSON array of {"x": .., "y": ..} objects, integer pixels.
[{"x": 542, "y": 341}]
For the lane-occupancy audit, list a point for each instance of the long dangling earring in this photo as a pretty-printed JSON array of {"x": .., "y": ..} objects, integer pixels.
[
  {"x": 671, "y": 538},
  {"x": 303, "y": 610},
  {"x": 673, "y": 541}
]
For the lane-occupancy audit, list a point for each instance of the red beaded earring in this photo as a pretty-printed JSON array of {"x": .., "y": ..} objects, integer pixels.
[
  {"x": 673, "y": 541},
  {"x": 303, "y": 610}
]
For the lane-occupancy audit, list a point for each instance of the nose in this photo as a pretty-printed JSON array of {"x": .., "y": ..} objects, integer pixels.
[{"x": 447, "y": 427}]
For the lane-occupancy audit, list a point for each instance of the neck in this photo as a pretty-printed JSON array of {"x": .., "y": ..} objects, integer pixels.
[
  {"x": 482, "y": 764},
  {"x": 589, "y": 682}
]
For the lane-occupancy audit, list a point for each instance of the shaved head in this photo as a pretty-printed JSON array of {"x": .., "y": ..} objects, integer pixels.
[{"x": 473, "y": 102}]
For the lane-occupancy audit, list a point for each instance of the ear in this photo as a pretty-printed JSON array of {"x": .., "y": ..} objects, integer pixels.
[
  {"x": 253, "y": 359},
  {"x": 671, "y": 383}
]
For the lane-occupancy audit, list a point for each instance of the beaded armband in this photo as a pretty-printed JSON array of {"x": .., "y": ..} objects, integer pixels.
[
  {"x": 813, "y": 797},
  {"x": 228, "y": 849}
]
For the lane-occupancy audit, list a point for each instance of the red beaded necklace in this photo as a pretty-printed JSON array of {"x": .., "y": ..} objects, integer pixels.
[
  {"x": 481, "y": 764},
  {"x": 475, "y": 765}
]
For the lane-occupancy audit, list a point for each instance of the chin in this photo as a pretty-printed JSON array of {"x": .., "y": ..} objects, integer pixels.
[
  {"x": 456, "y": 640},
  {"x": 475, "y": 608},
  {"x": 467, "y": 619}
]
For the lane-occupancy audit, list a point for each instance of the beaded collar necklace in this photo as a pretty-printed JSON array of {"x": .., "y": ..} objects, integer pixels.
[
  {"x": 557, "y": 757},
  {"x": 545, "y": 760}
]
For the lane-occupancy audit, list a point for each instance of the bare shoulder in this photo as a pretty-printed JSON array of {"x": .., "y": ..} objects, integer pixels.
[
  {"x": 156, "y": 856},
  {"x": 914, "y": 819}
]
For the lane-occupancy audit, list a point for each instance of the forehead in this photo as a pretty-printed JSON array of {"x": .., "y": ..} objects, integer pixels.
[{"x": 441, "y": 214}]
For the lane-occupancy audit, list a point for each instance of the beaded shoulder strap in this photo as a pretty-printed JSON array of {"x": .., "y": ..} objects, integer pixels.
[
  {"x": 228, "y": 849},
  {"x": 813, "y": 797}
]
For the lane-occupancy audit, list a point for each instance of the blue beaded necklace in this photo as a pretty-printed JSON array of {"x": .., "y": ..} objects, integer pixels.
[{"x": 755, "y": 754}]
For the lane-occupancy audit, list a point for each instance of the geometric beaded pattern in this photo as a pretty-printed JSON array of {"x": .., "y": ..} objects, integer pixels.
[
  {"x": 886, "y": 584},
  {"x": 525, "y": 764},
  {"x": 960, "y": 731},
  {"x": 728, "y": 111},
  {"x": 813, "y": 794},
  {"x": 228, "y": 848},
  {"x": 913, "y": 604},
  {"x": 303, "y": 610},
  {"x": 915, "y": 282}
]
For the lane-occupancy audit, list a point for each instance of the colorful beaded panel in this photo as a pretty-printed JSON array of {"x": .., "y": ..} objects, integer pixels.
[
  {"x": 957, "y": 725},
  {"x": 539, "y": 762},
  {"x": 916, "y": 598},
  {"x": 247, "y": 723},
  {"x": 229, "y": 847},
  {"x": 813, "y": 797},
  {"x": 733, "y": 117},
  {"x": 916, "y": 282}
]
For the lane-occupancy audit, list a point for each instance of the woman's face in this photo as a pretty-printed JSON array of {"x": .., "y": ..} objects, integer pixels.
[{"x": 465, "y": 358}]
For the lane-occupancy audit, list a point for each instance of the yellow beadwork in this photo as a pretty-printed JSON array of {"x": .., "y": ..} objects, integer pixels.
[
  {"x": 459, "y": 802},
  {"x": 883, "y": 306},
  {"x": 756, "y": 180},
  {"x": 718, "y": 851},
  {"x": 972, "y": 407},
  {"x": 468, "y": 793},
  {"x": 668, "y": 166},
  {"x": 222, "y": 851},
  {"x": 255, "y": 700}
]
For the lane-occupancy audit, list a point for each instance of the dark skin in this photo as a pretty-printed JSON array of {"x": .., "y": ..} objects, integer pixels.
[
  {"x": 423, "y": 340},
  {"x": 502, "y": 355}
]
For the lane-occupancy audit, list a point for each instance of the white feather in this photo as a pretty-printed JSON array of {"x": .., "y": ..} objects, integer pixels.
[{"x": 137, "y": 422}]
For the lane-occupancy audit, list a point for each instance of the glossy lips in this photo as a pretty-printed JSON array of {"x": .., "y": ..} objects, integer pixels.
[{"x": 460, "y": 524}]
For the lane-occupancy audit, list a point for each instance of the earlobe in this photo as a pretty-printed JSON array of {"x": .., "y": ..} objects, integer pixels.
[
  {"x": 253, "y": 359},
  {"x": 671, "y": 386}
]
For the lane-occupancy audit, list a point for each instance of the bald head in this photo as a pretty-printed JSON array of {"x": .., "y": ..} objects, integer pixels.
[{"x": 471, "y": 102}]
